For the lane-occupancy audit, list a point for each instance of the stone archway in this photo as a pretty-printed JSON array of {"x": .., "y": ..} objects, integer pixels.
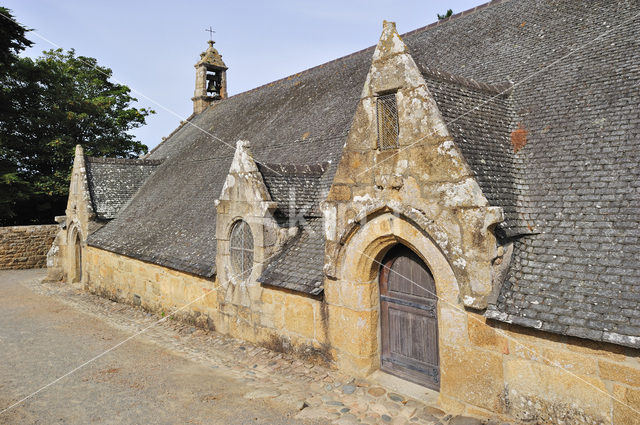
[
  {"x": 78, "y": 259},
  {"x": 356, "y": 290},
  {"x": 74, "y": 266}
]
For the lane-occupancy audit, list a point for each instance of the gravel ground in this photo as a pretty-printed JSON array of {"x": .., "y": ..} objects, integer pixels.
[{"x": 42, "y": 338}]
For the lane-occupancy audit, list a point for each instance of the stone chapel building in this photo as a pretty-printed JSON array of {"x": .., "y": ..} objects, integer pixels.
[{"x": 457, "y": 206}]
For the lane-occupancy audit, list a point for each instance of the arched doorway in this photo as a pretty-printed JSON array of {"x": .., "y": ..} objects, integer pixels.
[
  {"x": 77, "y": 258},
  {"x": 408, "y": 318}
]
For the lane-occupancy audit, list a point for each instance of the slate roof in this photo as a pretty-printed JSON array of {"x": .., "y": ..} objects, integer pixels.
[
  {"x": 579, "y": 275},
  {"x": 296, "y": 188},
  {"x": 299, "y": 266},
  {"x": 304, "y": 119},
  {"x": 480, "y": 118},
  {"x": 575, "y": 74},
  {"x": 112, "y": 182}
]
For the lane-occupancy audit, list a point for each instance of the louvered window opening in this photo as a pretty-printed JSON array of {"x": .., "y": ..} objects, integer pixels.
[
  {"x": 387, "y": 112},
  {"x": 241, "y": 251}
]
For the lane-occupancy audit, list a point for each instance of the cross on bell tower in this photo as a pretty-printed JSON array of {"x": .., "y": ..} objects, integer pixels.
[
  {"x": 211, "y": 32},
  {"x": 211, "y": 78}
]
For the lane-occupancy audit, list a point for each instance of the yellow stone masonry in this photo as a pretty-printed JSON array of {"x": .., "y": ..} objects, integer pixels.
[
  {"x": 25, "y": 247},
  {"x": 278, "y": 318}
]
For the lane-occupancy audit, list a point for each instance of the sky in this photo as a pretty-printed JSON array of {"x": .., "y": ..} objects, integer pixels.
[{"x": 152, "y": 46}]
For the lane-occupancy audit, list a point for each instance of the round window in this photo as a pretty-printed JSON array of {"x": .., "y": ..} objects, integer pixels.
[{"x": 241, "y": 250}]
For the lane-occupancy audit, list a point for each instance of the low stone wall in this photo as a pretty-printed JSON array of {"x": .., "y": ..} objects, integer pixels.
[
  {"x": 25, "y": 247},
  {"x": 278, "y": 319}
]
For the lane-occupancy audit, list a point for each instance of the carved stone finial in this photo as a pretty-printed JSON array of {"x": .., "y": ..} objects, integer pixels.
[{"x": 390, "y": 42}]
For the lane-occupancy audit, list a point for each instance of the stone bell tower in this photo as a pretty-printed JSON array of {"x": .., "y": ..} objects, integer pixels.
[{"x": 211, "y": 79}]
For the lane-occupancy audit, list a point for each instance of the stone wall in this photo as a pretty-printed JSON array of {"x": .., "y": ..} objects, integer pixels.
[
  {"x": 278, "y": 319},
  {"x": 545, "y": 378},
  {"x": 25, "y": 247}
]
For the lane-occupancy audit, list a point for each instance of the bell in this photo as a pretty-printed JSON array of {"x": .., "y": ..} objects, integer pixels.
[{"x": 211, "y": 87}]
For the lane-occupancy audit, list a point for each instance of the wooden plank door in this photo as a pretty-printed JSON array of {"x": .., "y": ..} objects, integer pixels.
[{"x": 409, "y": 322}]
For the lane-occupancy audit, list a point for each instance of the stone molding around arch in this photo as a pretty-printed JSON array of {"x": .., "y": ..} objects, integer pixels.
[
  {"x": 353, "y": 296},
  {"x": 358, "y": 260},
  {"x": 75, "y": 244}
]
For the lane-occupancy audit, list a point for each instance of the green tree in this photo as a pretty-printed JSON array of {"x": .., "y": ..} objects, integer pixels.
[
  {"x": 49, "y": 105},
  {"x": 12, "y": 38},
  {"x": 12, "y": 42},
  {"x": 445, "y": 16}
]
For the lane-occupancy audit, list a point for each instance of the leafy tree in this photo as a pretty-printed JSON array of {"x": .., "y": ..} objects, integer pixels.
[
  {"x": 49, "y": 105},
  {"x": 12, "y": 38},
  {"x": 12, "y": 42},
  {"x": 445, "y": 16}
]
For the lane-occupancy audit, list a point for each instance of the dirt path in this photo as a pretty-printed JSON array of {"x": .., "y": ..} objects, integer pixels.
[{"x": 42, "y": 338}]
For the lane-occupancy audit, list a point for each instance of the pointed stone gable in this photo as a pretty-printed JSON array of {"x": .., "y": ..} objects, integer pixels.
[
  {"x": 79, "y": 206},
  {"x": 244, "y": 181},
  {"x": 245, "y": 197},
  {"x": 425, "y": 180}
]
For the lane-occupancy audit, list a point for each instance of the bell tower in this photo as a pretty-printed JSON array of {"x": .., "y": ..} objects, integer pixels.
[{"x": 211, "y": 79}]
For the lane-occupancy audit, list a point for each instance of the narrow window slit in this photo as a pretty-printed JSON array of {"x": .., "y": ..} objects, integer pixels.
[{"x": 387, "y": 112}]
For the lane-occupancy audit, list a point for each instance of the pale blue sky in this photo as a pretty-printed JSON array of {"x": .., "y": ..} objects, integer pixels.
[{"x": 152, "y": 46}]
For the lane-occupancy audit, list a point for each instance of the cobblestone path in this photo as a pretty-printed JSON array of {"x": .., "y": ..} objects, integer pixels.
[{"x": 172, "y": 373}]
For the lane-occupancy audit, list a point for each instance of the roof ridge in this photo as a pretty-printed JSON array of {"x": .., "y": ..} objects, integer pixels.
[
  {"x": 123, "y": 161},
  {"x": 496, "y": 88},
  {"x": 297, "y": 74},
  {"x": 454, "y": 16},
  {"x": 289, "y": 77},
  {"x": 182, "y": 124}
]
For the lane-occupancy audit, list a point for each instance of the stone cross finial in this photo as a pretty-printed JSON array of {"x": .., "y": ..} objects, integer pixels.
[{"x": 210, "y": 31}]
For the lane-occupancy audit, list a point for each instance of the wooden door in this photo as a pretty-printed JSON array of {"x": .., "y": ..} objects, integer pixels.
[{"x": 409, "y": 322}]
